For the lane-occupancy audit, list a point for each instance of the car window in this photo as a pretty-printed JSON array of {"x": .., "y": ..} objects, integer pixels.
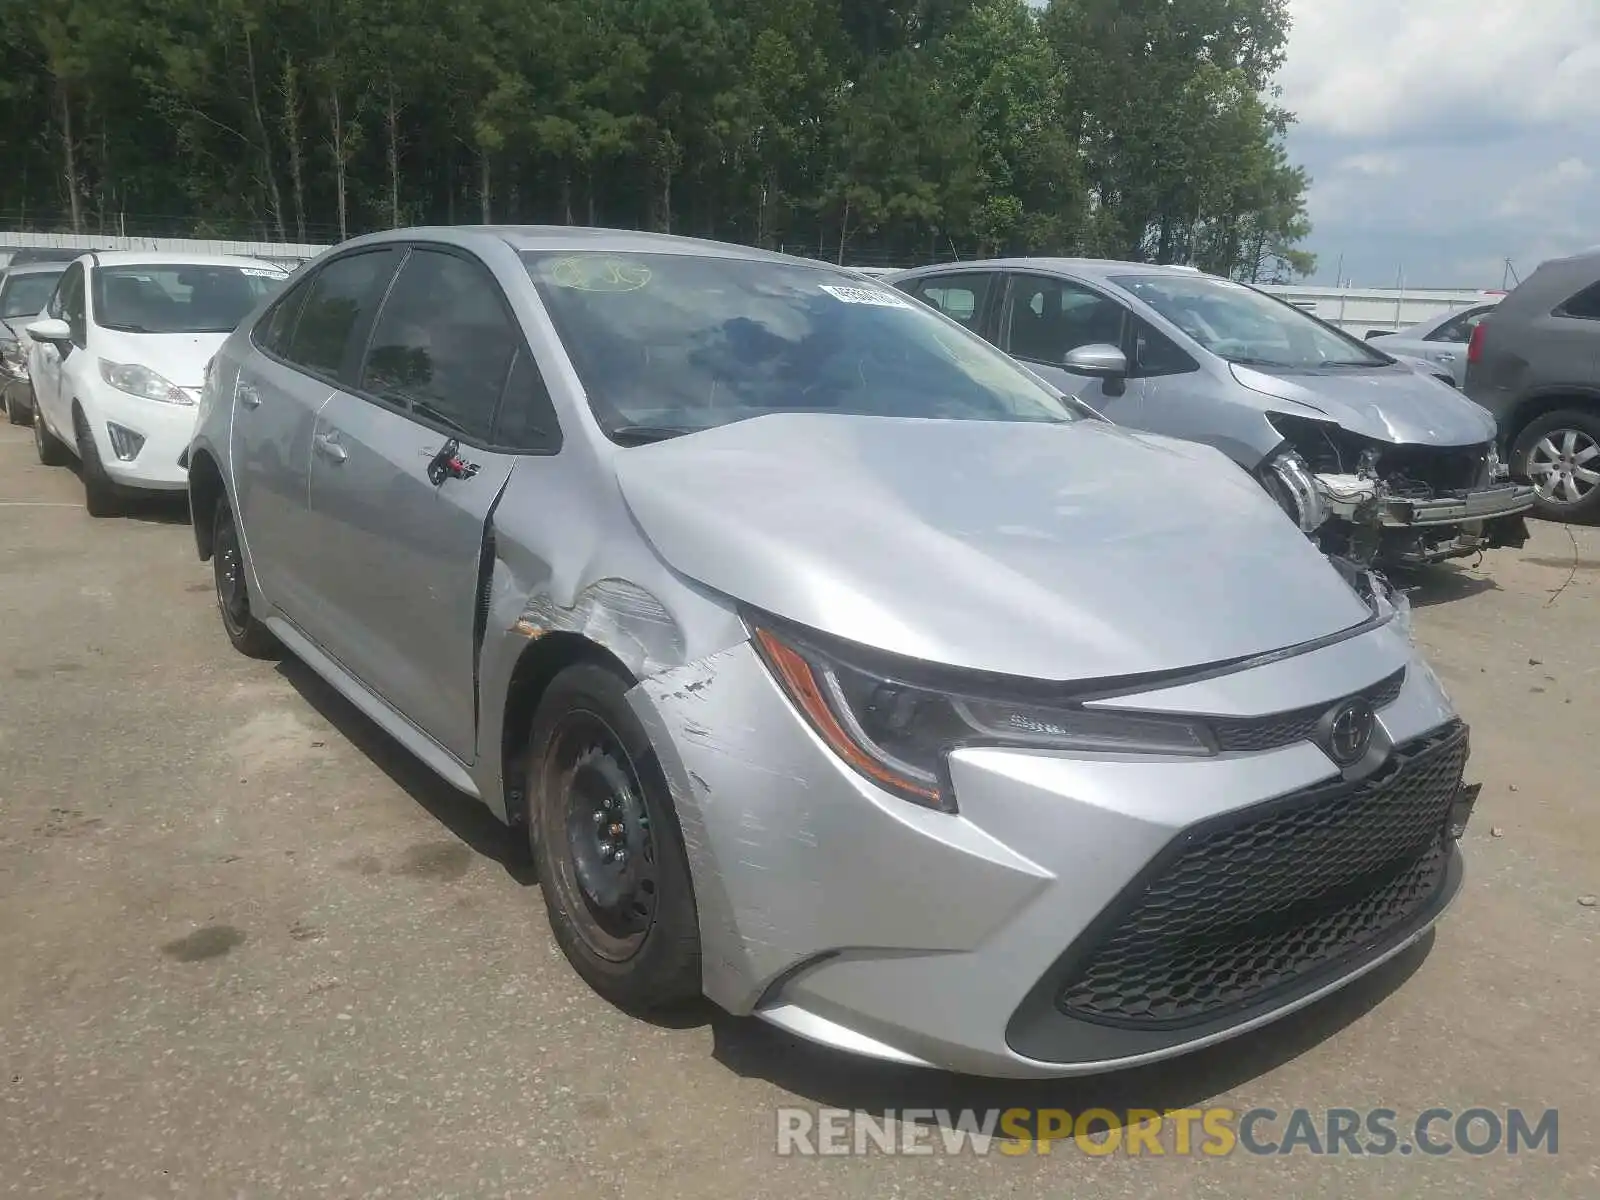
[
  {"x": 1585, "y": 305},
  {"x": 67, "y": 304},
  {"x": 1245, "y": 326},
  {"x": 443, "y": 343},
  {"x": 342, "y": 294},
  {"x": 26, "y": 295},
  {"x": 1459, "y": 328},
  {"x": 179, "y": 297},
  {"x": 1048, "y": 318},
  {"x": 527, "y": 417},
  {"x": 276, "y": 327},
  {"x": 1154, "y": 353},
  {"x": 672, "y": 343},
  {"x": 959, "y": 297}
]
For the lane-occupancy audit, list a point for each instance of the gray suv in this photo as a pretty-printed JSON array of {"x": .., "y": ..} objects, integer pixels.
[
  {"x": 1377, "y": 458},
  {"x": 1535, "y": 365}
]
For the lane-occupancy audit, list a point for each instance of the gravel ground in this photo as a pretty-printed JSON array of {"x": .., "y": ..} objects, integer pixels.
[{"x": 251, "y": 950}]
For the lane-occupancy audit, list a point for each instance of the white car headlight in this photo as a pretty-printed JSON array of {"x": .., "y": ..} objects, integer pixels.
[{"x": 141, "y": 381}]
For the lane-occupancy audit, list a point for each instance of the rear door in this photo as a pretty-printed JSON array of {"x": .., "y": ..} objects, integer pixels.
[
  {"x": 405, "y": 470},
  {"x": 304, "y": 345}
]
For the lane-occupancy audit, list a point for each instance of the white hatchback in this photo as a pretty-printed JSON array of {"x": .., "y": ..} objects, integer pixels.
[{"x": 119, "y": 356}]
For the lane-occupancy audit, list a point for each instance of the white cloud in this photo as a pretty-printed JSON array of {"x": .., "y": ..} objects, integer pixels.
[
  {"x": 1388, "y": 67},
  {"x": 1548, "y": 192},
  {"x": 1371, "y": 164}
]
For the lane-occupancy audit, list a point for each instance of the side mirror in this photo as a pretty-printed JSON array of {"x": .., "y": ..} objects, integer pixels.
[
  {"x": 52, "y": 330},
  {"x": 1099, "y": 361}
]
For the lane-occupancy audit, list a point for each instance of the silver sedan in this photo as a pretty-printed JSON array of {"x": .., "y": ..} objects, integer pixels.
[{"x": 834, "y": 666}]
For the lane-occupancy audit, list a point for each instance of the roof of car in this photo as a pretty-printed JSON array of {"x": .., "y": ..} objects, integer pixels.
[
  {"x": 1092, "y": 268},
  {"x": 157, "y": 258},
  {"x": 577, "y": 237},
  {"x": 49, "y": 267}
]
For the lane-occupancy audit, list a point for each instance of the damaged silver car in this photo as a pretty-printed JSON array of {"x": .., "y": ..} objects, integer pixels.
[
  {"x": 1370, "y": 454},
  {"x": 833, "y": 666}
]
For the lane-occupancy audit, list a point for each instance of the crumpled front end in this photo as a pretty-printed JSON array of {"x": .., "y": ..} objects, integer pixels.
[{"x": 1401, "y": 505}]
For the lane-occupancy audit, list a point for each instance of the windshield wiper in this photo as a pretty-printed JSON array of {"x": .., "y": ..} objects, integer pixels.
[{"x": 643, "y": 435}]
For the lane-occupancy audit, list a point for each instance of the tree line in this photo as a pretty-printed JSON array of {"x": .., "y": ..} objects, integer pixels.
[{"x": 868, "y": 131}]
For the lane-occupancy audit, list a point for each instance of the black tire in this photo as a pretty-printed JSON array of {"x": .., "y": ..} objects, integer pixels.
[
  {"x": 51, "y": 450},
  {"x": 100, "y": 496},
  {"x": 248, "y": 635},
  {"x": 1556, "y": 452},
  {"x": 15, "y": 412},
  {"x": 628, "y": 927}
]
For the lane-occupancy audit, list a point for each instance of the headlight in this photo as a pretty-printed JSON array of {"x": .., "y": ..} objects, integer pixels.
[
  {"x": 897, "y": 732},
  {"x": 141, "y": 381}
]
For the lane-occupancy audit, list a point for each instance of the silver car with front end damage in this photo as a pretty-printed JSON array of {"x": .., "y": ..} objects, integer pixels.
[
  {"x": 834, "y": 666},
  {"x": 1375, "y": 457},
  {"x": 24, "y": 291}
]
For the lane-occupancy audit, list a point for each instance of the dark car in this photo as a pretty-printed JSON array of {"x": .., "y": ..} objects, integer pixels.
[{"x": 1534, "y": 363}]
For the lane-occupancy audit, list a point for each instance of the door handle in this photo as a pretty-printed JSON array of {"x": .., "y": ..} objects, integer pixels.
[
  {"x": 248, "y": 396},
  {"x": 1446, "y": 356},
  {"x": 327, "y": 445}
]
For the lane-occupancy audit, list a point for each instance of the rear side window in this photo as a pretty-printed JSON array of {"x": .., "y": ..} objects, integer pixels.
[
  {"x": 443, "y": 344},
  {"x": 1585, "y": 305},
  {"x": 959, "y": 297},
  {"x": 273, "y": 331},
  {"x": 342, "y": 297}
]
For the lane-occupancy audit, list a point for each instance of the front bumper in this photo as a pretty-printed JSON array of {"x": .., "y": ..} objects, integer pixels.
[
  {"x": 855, "y": 919},
  {"x": 165, "y": 428},
  {"x": 1479, "y": 504}
]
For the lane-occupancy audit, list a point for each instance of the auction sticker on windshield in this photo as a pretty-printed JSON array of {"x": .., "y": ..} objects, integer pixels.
[
  {"x": 861, "y": 295},
  {"x": 259, "y": 273}
]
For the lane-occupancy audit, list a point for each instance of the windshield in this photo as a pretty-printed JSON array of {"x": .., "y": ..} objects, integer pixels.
[
  {"x": 1248, "y": 327},
  {"x": 26, "y": 295},
  {"x": 179, "y": 298},
  {"x": 671, "y": 343}
]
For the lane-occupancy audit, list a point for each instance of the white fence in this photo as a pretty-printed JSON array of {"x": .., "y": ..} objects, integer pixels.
[{"x": 1358, "y": 310}]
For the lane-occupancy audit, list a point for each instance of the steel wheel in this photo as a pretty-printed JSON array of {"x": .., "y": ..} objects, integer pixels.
[
  {"x": 1564, "y": 466},
  {"x": 233, "y": 597},
  {"x": 607, "y": 875}
]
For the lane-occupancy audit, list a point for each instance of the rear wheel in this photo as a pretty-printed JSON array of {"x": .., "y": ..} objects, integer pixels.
[
  {"x": 607, "y": 846},
  {"x": 16, "y": 411},
  {"x": 100, "y": 496},
  {"x": 51, "y": 450},
  {"x": 1560, "y": 454},
  {"x": 248, "y": 635}
]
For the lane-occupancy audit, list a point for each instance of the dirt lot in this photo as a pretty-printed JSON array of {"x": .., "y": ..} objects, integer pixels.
[{"x": 248, "y": 949}]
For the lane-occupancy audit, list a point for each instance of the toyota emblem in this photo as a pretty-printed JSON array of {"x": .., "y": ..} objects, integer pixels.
[{"x": 1350, "y": 732}]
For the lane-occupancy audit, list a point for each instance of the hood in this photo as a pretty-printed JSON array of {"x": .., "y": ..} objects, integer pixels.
[
  {"x": 1058, "y": 552},
  {"x": 179, "y": 357},
  {"x": 1388, "y": 404}
]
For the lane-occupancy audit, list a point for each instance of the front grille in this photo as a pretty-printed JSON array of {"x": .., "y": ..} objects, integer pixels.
[
  {"x": 1240, "y": 909},
  {"x": 1424, "y": 472},
  {"x": 1255, "y": 734}
]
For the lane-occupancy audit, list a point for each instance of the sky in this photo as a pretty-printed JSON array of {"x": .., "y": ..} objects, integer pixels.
[{"x": 1444, "y": 137}]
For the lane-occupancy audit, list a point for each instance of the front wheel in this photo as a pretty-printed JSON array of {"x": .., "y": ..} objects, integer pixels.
[
  {"x": 51, "y": 450},
  {"x": 607, "y": 846},
  {"x": 1560, "y": 454},
  {"x": 100, "y": 495},
  {"x": 248, "y": 635}
]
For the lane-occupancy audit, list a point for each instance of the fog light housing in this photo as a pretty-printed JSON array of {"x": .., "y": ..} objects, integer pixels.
[{"x": 125, "y": 443}]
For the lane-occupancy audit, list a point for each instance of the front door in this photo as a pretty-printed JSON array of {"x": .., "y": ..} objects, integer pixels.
[
  {"x": 1045, "y": 317},
  {"x": 402, "y": 486}
]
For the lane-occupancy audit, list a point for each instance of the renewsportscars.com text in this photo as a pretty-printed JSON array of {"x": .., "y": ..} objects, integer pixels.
[{"x": 1204, "y": 1132}]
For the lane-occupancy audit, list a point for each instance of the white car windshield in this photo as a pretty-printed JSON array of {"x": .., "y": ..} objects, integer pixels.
[
  {"x": 179, "y": 297},
  {"x": 26, "y": 295},
  {"x": 1248, "y": 327},
  {"x": 673, "y": 343}
]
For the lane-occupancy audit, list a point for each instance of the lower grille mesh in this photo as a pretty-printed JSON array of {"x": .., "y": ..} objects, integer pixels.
[{"x": 1249, "y": 908}]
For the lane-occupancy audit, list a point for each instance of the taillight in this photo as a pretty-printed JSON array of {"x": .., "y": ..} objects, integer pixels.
[{"x": 1475, "y": 346}]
